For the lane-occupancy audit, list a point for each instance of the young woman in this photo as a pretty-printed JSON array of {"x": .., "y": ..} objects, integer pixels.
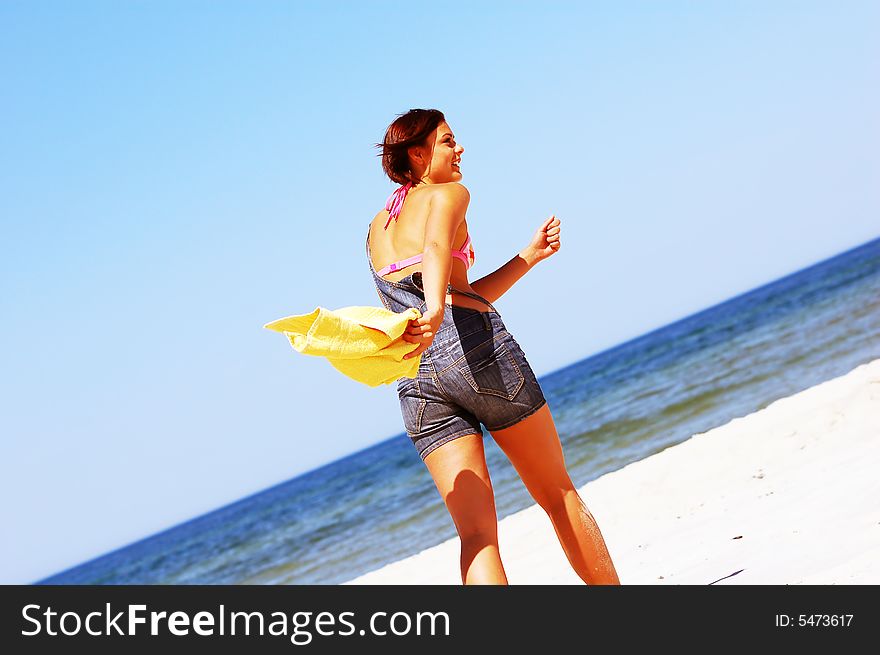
[{"x": 472, "y": 370}]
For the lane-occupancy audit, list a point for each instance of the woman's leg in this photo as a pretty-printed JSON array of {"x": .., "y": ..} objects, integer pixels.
[
  {"x": 534, "y": 449},
  {"x": 462, "y": 478}
]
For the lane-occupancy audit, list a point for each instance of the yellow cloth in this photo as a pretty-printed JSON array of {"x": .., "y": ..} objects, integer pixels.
[{"x": 364, "y": 343}]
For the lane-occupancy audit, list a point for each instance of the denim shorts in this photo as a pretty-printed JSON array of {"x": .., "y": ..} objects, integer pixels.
[{"x": 473, "y": 372}]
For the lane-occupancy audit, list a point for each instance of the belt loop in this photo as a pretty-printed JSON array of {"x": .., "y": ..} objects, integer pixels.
[{"x": 486, "y": 320}]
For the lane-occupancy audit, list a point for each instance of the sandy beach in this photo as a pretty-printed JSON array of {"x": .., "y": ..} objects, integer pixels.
[{"x": 787, "y": 495}]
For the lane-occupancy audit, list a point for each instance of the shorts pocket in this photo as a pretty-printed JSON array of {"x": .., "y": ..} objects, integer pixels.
[
  {"x": 491, "y": 369},
  {"x": 412, "y": 405}
]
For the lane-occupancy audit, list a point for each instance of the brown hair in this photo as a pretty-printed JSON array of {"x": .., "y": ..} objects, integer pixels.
[{"x": 407, "y": 130}]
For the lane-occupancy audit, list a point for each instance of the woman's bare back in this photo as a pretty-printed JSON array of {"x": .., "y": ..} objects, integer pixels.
[{"x": 406, "y": 237}]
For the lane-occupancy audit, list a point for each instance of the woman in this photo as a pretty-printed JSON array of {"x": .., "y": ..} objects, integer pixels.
[{"x": 472, "y": 370}]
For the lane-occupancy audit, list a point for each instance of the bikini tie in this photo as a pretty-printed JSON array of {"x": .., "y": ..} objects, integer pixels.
[{"x": 395, "y": 202}]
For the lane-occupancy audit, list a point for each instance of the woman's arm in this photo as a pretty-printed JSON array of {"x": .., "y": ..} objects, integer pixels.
[
  {"x": 545, "y": 242},
  {"x": 497, "y": 283},
  {"x": 446, "y": 211}
]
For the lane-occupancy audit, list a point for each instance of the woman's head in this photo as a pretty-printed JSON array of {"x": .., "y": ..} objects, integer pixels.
[{"x": 419, "y": 147}]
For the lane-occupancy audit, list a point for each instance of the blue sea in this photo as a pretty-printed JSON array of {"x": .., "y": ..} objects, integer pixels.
[{"x": 380, "y": 505}]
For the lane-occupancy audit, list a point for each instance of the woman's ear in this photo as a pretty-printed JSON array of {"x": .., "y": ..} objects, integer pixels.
[{"x": 416, "y": 153}]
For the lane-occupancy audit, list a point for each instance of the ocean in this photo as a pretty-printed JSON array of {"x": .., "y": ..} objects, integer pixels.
[{"x": 380, "y": 505}]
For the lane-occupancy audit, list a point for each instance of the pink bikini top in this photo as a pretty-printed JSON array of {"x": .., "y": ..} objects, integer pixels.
[{"x": 394, "y": 205}]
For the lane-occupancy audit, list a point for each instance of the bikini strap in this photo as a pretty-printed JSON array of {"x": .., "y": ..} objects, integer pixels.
[{"x": 395, "y": 202}]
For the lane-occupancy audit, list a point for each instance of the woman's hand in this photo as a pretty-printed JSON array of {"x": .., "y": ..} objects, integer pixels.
[
  {"x": 422, "y": 331},
  {"x": 545, "y": 242}
]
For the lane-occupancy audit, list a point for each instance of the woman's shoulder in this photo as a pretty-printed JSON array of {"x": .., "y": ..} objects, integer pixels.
[{"x": 450, "y": 191}]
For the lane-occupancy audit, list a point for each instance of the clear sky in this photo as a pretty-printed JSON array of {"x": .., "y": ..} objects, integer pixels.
[{"x": 176, "y": 174}]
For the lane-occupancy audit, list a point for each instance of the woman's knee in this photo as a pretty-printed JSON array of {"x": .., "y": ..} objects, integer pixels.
[
  {"x": 475, "y": 537},
  {"x": 553, "y": 497},
  {"x": 556, "y": 500}
]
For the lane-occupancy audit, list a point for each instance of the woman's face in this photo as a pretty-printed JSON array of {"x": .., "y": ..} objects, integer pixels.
[{"x": 445, "y": 156}]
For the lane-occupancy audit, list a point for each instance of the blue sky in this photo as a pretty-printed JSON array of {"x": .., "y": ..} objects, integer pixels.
[{"x": 175, "y": 175}]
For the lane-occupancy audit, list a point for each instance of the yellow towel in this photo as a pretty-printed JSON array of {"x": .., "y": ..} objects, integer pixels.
[{"x": 364, "y": 343}]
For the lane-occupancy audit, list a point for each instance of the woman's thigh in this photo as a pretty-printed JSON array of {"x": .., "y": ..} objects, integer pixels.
[
  {"x": 534, "y": 449},
  {"x": 459, "y": 470}
]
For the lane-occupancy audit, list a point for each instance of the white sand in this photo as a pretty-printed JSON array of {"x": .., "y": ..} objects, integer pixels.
[{"x": 798, "y": 482}]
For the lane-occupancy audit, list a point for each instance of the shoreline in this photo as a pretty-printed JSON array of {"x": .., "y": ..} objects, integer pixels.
[{"x": 786, "y": 495}]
